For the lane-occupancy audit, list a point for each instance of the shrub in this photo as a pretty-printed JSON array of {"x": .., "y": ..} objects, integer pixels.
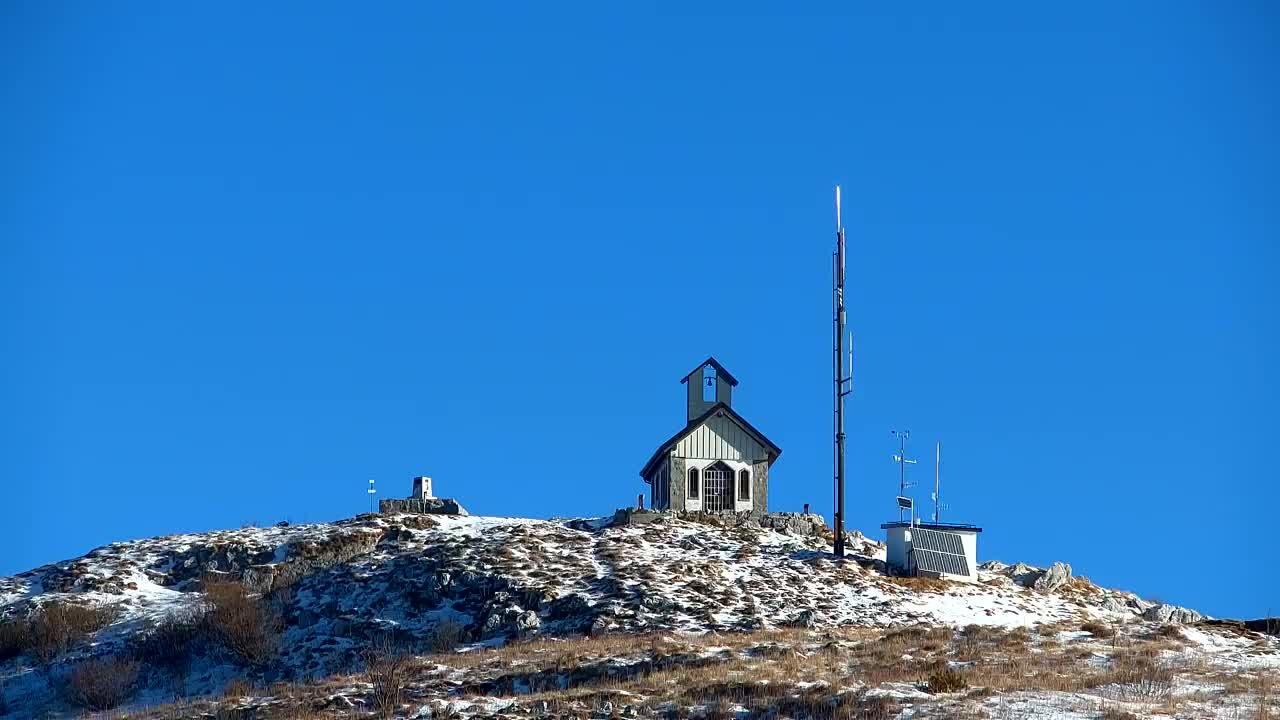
[
  {"x": 237, "y": 688},
  {"x": 1111, "y": 712},
  {"x": 101, "y": 683},
  {"x": 387, "y": 666},
  {"x": 57, "y": 627},
  {"x": 171, "y": 642},
  {"x": 14, "y": 638},
  {"x": 245, "y": 626},
  {"x": 1097, "y": 629},
  {"x": 1171, "y": 632},
  {"x": 446, "y": 637},
  {"x": 947, "y": 681}
]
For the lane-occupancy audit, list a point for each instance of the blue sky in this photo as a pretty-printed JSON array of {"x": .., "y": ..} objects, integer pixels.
[{"x": 251, "y": 257}]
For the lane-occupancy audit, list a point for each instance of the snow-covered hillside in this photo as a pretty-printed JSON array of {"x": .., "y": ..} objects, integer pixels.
[{"x": 338, "y": 586}]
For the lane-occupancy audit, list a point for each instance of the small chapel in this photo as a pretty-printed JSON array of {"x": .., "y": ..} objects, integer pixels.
[{"x": 718, "y": 462}]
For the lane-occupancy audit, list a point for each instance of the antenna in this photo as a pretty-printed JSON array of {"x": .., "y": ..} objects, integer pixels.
[
  {"x": 372, "y": 492},
  {"x": 938, "y": 506},
  {"x": 839, "y": 375},
  {"x": 901, "y": 458}
]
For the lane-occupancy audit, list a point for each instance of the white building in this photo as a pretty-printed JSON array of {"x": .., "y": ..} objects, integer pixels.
[
  {"x": 718, "y": 462},
  {"x": 939, "y": 550}
]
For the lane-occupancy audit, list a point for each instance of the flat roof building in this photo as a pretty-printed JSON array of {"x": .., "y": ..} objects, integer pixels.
[{"x": 942, "y": 550}]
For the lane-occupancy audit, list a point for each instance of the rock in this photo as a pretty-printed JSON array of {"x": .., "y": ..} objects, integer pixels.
[
  {"x": 795, "y": 523},
  {"x": 527, "y": 623},
  {"x": 1114, "y": 604},
  {"x": 1056, "y": 576},
  {"x": 600, "y": 625},
  {"x": 567, "y": 607},
  {"x": 992, "y": 566},
  {"x": 1023, "y": 574},
  {"x": 1171, "y": 614},
  {"x": 491, "y": 624},
  {"x": 802, "y": 619}
]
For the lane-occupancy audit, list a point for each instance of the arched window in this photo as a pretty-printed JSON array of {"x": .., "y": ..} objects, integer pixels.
[
  {"x": 693, "y": 483},
  {"x": 744, "y": 484}
]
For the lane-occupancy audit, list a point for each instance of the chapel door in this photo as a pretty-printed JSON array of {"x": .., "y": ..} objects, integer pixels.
[{"x": 717, "y": 488}]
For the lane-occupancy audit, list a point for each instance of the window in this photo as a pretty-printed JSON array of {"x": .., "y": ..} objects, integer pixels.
[
  {"x": 744, "y": 484},
  {"x": 693, "y": 483}
]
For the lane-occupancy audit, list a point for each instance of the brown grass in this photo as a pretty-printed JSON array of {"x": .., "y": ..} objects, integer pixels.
[
  {"x": 667, "y": 673},
  {"x": 1097, "y": 629},
  {"x": 387, "y": 666},
  {"x": 919, "y": 584},
  {"x": 14, "y": 638},
  {"x": 237, "y": 688},
  {"x": 101, "y": 684},
  {"x": 247, "y": 626},
  {"x": 54, "y": 628},
  {"x": 947, "y": 681},
  {"x": 171, "y": 643}
]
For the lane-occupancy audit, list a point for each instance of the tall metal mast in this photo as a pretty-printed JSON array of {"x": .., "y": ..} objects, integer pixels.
[
  {"x": 937, "y": 475},
  {"x": 837, "y": 272}
]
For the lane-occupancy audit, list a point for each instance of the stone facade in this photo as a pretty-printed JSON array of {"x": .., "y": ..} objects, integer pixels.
[
  {"x": 760, "y": 488},
  {"x": 679, "y": 484}
]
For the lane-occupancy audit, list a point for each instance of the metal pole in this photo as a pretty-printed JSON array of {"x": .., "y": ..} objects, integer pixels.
[
  {"x": 839, "y": 380},
  {"x": 937, "y": 474}
]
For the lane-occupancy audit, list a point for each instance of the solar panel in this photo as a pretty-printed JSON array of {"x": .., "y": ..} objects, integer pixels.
[
  {"x": 940, "y": 562},
  {"x": 936, "y": 540},
  {"x": 937, "y": 551}
]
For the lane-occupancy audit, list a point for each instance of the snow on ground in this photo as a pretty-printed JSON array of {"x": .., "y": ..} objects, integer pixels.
[{"x": 501, "y": 578}]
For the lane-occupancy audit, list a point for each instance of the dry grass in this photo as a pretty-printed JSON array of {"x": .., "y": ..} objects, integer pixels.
[
  {"x": 172, "y": 643},
  {"x": 387, "y": 668},
  {"x": 54, "y": 628},
  {"x": 918, "y": 584},
  {"x": 237, "y": 688},
  {"x": 947, "y": 681},
  {"x": 760, "y": 672},
  {"x": 247, "y": 626},
  {"x": 101, "y": 684},
  {"x": 1097, "y": 629}
]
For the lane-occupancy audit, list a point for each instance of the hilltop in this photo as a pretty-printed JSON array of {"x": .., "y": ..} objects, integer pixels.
[{"x": 524, "y": 618}]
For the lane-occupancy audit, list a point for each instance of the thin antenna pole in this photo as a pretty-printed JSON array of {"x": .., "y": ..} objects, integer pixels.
[
  {"x": 838, "y": 351},
  {"x": 937, "y": 481},
  {"x": 901, "y": 459}
]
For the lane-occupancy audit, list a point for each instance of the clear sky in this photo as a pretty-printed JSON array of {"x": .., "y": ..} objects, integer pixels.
[{"x": 251, "y": 257}]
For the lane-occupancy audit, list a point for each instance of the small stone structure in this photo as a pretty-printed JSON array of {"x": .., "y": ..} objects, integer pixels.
[
  {"x": 422, "y": 501},
  {"x": 422, "y": 488}
]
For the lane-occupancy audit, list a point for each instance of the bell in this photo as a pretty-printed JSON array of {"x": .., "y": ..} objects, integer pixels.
[{"x": 710, "y": 382}]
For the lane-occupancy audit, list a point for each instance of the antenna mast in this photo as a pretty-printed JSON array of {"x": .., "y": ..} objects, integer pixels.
[
  {"x": 937, "y": 475},
  {"x": 838, "y": 372},
  {"x": 902, "y": 460}
]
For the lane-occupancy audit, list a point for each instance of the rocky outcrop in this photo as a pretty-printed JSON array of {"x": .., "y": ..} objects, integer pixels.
[
  {"x": 794, "y": 523},
  {"x": 1056, "y": 576},
  {"x": 1029, "y": 576},
  {"x": 426, "y": 506},
  {"x": 1171, "y": 614}
]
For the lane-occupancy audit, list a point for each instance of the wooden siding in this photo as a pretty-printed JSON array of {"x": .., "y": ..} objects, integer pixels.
[{"x": 722, "y": 439}]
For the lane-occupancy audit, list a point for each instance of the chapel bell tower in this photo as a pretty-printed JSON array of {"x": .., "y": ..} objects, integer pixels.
[{"x": 708, "y": 384}]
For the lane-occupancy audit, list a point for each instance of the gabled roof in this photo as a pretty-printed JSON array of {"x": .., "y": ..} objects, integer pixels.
[
  {"x": 720, "y": 371},
  {"x": 718, "y": 408}
]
